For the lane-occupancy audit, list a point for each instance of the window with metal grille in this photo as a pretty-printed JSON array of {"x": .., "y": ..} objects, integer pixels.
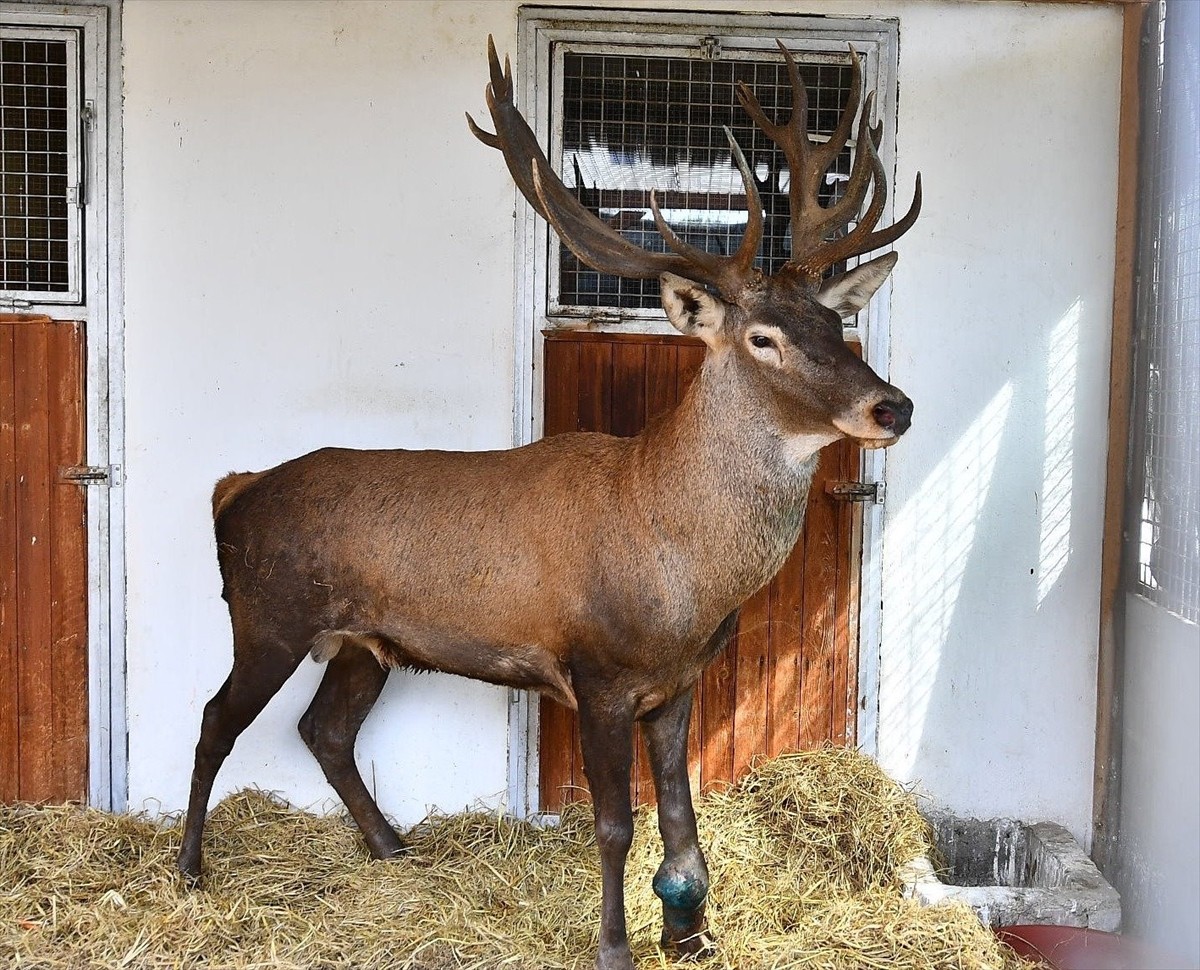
[
  {"x": 39, "y": 166},
  {"x": 653, "y": 118},
  {"x": 1166, "y": 441}
]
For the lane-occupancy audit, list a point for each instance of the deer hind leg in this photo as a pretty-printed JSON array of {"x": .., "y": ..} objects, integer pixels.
[
  {"x": 352, "y": 683},
  {"x": 607, "y": 739},
  {"x": 260, "y": 668},
  {"x": 682, "y": 880}
]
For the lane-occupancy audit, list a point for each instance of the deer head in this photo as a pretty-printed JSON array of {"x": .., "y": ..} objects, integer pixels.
[{"x": 781, "y": 334}]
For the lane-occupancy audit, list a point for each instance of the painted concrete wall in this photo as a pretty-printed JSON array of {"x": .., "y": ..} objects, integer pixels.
[
  {"x": 1001, "y": 318},
  {"x": 1158, "y": 871},
  {"x": 318, "y": 253}
]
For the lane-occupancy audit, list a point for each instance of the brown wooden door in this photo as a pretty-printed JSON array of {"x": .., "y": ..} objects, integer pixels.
[
  {"x": 43, "y": 562},
  {"x": 788, "y": 679}
]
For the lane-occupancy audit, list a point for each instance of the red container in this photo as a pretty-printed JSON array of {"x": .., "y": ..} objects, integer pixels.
[{"x": 1072, "y": 948}]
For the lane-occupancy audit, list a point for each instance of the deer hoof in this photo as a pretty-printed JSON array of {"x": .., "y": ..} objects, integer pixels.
[
  {"x": 387, "y": 845},
  {"x": 191, "y": 876},
  {"x": 701, "y": 944},
  {"x": 616, "y": 958}
]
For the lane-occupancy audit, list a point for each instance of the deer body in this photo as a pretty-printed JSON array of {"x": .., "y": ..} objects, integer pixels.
[
  {"x": 604, "y": 572},
  {"x": 648, "y": 580}
]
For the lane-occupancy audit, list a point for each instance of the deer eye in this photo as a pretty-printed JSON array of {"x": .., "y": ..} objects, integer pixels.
[{"x": 761, "y": 340}]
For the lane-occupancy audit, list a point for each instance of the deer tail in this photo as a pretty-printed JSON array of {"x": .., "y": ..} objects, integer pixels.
[{"x": 229, "y": 488}]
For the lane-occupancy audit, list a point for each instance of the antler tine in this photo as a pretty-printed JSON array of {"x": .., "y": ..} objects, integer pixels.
[
  {"x": 597, "y": 244},
  {"x": 837, "y": 139},
  {"x": 748, "y": 249},
  {"x": 808, "y": 163},
  {"x": 862, "y": 238},
  {"x": 739, "y": 267},
  {"x": 809, "y": 232}
]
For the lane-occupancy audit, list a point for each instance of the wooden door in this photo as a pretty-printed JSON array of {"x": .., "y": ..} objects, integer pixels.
[
  {"x": 43, "y": 562},
  {"x": 788, "y": 679}
]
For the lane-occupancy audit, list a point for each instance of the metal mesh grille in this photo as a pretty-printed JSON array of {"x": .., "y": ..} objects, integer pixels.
[
  {"x": 632, "y": 124},
  {"x": 34, "y": 230},
  {"x": 1168, "y": 348}
]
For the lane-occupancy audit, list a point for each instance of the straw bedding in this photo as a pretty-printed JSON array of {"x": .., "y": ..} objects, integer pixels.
[{"x": 802, "y": 852}]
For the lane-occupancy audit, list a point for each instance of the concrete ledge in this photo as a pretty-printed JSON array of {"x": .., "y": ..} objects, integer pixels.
[{"x": 1013, "y": 873}]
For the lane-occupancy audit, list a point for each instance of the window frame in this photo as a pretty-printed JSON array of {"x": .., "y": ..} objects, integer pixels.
[
  {"x": 651, "y": 319},
  {"x": 77, "y": 113}
]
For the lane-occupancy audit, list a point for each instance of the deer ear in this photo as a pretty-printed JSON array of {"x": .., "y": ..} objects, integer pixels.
[
  {"x": 848, "y": 293},
  {"x": 692, "y": 310}
]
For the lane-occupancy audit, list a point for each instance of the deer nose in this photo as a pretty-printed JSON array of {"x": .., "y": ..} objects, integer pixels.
[{"x": 895, "y": 416}]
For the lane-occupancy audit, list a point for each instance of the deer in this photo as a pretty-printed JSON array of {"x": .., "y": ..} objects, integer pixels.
[{"x": 603, "y": 572}]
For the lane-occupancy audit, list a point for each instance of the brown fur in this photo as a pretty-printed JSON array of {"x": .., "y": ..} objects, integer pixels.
[{"x": 226, "y": 491}]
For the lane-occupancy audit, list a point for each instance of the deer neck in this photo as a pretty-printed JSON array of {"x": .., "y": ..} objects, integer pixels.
[{"x": 724, "y": 485}]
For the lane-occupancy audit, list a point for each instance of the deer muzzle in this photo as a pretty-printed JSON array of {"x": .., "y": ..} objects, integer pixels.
[{"x": 894, "y": 416}]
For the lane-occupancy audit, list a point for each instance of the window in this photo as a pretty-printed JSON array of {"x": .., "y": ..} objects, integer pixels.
[
  {"x": 1166, "y": 440},
  {"x": 631, "y": 108},
  {"x": 40, "y": 166}
]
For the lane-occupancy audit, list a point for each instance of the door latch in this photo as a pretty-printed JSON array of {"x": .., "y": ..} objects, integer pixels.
[
  {"x": 90, "y": 474},
  {"x": 869, "y": 492}
]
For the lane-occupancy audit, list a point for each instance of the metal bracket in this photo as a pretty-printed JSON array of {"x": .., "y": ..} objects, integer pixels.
[
  {"x": 710, "y": 48},
  {"x": 870, "y": 492},
  {"x": 90, "y": 474},
  {"x": 604, "y": 316}
]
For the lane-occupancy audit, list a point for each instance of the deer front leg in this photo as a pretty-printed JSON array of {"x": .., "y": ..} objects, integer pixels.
[
  {"x": 607, "y": 739},
  {"x": 682, "y": 880}
]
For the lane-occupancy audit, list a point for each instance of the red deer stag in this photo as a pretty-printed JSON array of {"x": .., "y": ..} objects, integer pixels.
[{"x": 605, "y": 572}]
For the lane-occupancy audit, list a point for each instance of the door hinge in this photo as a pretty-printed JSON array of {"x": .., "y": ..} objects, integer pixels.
[
  {"x": 870, "y": 492},
  {"x": 12, "y": 303},
  {"x": 90, "y": 474},
  {"x": 710, "y": 48}
]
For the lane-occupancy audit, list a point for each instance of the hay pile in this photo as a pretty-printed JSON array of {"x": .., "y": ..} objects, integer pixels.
[{"x": 802, "y": 854}]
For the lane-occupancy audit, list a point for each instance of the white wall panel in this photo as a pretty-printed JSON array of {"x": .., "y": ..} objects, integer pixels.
[{"x": 319, "y": 253}]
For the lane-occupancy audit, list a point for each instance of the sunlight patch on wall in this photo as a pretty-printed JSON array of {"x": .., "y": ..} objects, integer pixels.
[
  {"x": 1054, "y": 502},
  {"x": 929, "y": 545}
]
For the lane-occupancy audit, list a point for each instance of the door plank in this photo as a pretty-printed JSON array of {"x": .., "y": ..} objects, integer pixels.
[
  {"x": 751, "y": 690},
  {"x": 628, "y": 397},
  {"x": 35, "y": 681},
  {"x": 662, "y": 385},
  {"x": 10, "y": 748},
  {"x": 820, "y": 615},
  {"x": 845, "y": 667},
  {"x": 561, "y": 376},
  {"x": 68, "y": 578},
  {"x": 787, "y": 617},
  {"x": 595, "y": 387}
]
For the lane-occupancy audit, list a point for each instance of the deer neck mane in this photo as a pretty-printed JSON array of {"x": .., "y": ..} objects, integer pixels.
[
  {"x": 720, "y": 479},
  {"x": 723, "y": 436}
]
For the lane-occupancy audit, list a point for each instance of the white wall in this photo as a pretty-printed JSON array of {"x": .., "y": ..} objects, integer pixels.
[
  {"x": 1001, "y": 320},
  {"x": 317, "y": 252},
  {"x": 1158, "y": 871}
]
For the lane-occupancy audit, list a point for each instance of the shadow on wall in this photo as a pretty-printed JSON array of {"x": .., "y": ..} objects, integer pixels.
[{"x": 983, "y": 532}]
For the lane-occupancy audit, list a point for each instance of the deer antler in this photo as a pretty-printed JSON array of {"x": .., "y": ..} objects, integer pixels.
[
  {"x": 808, "y": 162},
  {"x": 602, "y": 248},
  {"x": 588, "y": 237}
]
